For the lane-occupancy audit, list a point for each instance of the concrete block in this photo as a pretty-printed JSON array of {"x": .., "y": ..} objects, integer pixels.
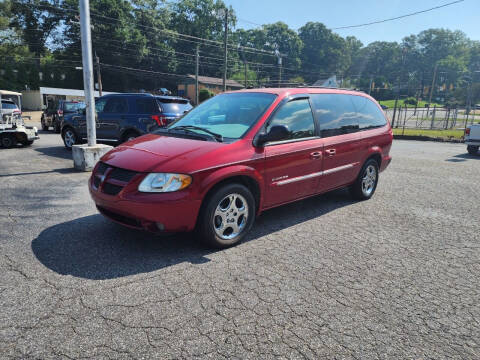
[{"x": 85, "y": 157}]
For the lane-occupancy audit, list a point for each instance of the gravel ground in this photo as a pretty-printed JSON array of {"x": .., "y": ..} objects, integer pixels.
[{"x": 393, "y": 277}]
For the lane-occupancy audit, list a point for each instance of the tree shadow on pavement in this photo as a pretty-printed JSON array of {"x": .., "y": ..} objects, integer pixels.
[{"x": 95, "y": 248}]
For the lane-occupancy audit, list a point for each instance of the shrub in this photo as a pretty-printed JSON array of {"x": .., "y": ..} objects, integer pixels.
[
  {"x": 205, "y": 94},
  {"x": 410, "y": 101}
]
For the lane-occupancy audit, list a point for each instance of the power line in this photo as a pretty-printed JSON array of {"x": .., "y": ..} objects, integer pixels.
[{"x": 398, "y": 17}]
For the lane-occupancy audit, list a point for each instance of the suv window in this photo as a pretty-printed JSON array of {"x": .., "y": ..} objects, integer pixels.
[
  {"x": 116, "y": 105},
  {"x": 177, "y": 106},
  {"x": 297, "y": 116},
  {"x": 368, "y": 114},
  {"x": 336, "y": 114},
  {"x": 100, "y": 105},
  {"x": 146, "y": 106}
]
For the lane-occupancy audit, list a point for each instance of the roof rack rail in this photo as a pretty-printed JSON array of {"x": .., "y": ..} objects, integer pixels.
[{"x": 329, "y": 87}]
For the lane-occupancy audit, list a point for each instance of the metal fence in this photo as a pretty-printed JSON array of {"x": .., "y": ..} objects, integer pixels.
[{"x": 438, "y": 118}]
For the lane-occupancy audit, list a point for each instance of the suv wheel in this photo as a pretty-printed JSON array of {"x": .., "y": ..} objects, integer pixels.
[
  {"x": 472, "y": 149},
  {"x": 227, "y": 216},
  {"x": 69, "y": 137},
  {"x": 8, "y": 140},
  {"x": 364, "y": 187},
  {"x": 130, "y": 135}
]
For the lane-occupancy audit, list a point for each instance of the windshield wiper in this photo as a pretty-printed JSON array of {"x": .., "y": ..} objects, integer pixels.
[{"x": 189, "y": 128}]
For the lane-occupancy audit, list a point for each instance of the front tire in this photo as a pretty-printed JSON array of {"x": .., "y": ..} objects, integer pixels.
[
  {"x": 472, "y": 149},
  {"x": 227, "y": 216},
  {"x": 56, "y": 126},
  {"x": 364, "y": 187},
  {"x": 69, "y": 137},
  {"x": 8, "y": 140},
  {"x": 44, "y": 126}
]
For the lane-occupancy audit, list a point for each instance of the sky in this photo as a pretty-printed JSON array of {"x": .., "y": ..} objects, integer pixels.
[{"x": 464, "y": 16}]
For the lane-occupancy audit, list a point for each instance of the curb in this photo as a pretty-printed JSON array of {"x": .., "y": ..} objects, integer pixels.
[{"x": 427, "y": 138}]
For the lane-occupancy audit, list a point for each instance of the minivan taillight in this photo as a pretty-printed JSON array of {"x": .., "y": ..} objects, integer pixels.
[
  {"x": 60, "y": 112},
  {"x": 467, "y": 131},
  {"x": 161, "y": 120}
]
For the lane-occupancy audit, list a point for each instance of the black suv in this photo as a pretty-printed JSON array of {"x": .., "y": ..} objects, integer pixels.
[
  {"x": 121, "y": 117},
  {"x": 53, "y": 115}
]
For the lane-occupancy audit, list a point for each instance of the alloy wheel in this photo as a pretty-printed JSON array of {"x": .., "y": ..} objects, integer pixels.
[
  {"x": 369, "y": 180},
  {"x": 69, "y": 138},
  {"x": 230, "y": 217}
]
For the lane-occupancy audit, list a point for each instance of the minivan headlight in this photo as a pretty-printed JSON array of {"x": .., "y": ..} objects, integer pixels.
[{"x": 164, "y": 182}]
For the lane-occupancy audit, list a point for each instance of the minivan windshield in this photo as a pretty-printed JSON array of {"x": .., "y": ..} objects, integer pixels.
[{"x": 229, "y": 115}]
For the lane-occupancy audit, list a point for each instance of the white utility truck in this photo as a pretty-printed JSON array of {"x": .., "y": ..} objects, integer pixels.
[{"x": 472, "y": 138}]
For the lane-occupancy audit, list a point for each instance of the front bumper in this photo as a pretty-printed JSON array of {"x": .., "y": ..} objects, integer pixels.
[
  {"x": 472, "y": 142},
  {"x": 167, "y": 212},
  {"x": 386, "y": 160}
]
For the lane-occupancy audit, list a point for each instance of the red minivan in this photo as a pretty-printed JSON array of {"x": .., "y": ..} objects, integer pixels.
[{"x": 239, "y": 153}]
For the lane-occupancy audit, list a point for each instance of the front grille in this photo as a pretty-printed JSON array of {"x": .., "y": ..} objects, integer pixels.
[
  {"x": 111, "y": 180},
  {"x": 122, "y": 175},
  {"x": 111, "y": 189}
]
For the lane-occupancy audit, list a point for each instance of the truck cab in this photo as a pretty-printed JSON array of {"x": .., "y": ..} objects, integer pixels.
[{"x": 472, "y": 138}]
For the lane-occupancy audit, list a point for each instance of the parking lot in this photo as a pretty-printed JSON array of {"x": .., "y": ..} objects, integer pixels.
[{"x": 393, "y": 277}]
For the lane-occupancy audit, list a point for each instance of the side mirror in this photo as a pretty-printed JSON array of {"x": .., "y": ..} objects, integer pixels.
[{"x": 276, "y": 133}]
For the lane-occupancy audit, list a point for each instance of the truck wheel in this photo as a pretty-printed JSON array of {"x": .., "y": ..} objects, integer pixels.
[
  {"x": 8, "y": 140},
  {"x": 44, "y": 126},
  {"x": 472, "y": 149},
  {"x": 227, "y": 216},
  {"x": 364, "y": 187},
  {"x": 56, "y": 126}
]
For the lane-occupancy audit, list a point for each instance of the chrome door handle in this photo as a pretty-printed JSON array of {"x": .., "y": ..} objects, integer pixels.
[
  {"x": 331, "y": 152},
  {"x": 316, "y": 155}
]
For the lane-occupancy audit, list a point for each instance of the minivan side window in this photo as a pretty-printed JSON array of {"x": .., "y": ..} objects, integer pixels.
[
  {"x": 297, "y": 116},
  {"x": 368, "y": 114},
  {"x": 116, "y": 105},
  {"x": 336, "y": 114}
]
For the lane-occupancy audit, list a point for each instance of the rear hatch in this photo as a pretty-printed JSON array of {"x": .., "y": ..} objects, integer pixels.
[
  {"x": 475, "y": 132},
  {"x": 172, "y": 108}
]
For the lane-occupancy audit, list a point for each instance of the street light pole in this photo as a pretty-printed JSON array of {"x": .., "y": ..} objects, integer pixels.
[
  {"x": 88, "y": 70},
  {"x": 99, "y": 75},
  {"x": 197, "y": 55},
  {"x": 225, "y": 36}
]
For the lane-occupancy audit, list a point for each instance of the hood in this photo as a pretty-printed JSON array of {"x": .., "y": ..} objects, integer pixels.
[{"x": 156, "y": 153}]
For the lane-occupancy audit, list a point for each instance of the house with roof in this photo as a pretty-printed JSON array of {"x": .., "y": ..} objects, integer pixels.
[{"x": 186, "y": 86}]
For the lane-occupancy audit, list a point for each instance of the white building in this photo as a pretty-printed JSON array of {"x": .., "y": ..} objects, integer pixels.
[{"x": 36, "y": 99}]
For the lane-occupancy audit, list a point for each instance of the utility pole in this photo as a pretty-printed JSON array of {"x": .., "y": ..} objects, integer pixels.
[
  {"x": 433, "y": 83},
  {"x": 87, "y": 63},
  {"x": 197, "y": 55},
  {"x": 99, "y": 75},
  {"x": 245, "y": 69},
  {"x": 225, "y": 35},
  {"x": 279, "y": 70},
  {"x": 370, "y": 85}
]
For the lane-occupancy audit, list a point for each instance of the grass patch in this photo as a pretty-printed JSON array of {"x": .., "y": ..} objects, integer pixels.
[
  {"x": 391, "y": 104},
  {"x": 444, "y": 134}
]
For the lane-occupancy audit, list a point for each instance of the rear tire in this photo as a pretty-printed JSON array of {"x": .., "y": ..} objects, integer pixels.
[
  {"x": 8, "y": 140},
  {"x": 56, "y": 126},
  {"x": 44, "y": 126},
  {"x": 472, "y": 149},
  {"x": 227, "y": 216},
  {"x": 364, "y": 187},
  {"x": 69, "y": 137}
]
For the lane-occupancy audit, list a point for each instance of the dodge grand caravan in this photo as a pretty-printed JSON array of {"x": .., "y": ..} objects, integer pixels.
[{"x": 219, "y": 166}]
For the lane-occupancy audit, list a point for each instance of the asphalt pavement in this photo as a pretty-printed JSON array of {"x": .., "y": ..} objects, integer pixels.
[{"x": 328, "y": 277}]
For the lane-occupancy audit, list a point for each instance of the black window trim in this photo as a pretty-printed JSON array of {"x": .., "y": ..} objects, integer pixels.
[
  {"x": 124, "y": 98},
  {"x": 288, "y": 99}
]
